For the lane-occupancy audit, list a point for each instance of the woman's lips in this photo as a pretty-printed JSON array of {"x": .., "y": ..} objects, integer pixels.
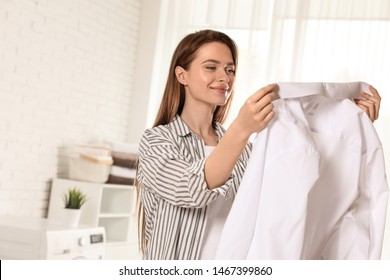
[{"x": 221, "y": 89}]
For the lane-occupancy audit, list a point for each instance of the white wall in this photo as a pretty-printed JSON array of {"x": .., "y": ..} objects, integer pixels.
[
  {"x": 147, "y": 57},
  {"x": 66, "y": 76}
]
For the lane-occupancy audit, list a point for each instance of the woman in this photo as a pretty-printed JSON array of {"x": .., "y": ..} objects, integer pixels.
[{"x": 188, "y": 173}]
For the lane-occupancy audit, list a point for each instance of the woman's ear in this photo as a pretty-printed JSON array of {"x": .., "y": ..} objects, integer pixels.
[{"x": 181, "y": 75}]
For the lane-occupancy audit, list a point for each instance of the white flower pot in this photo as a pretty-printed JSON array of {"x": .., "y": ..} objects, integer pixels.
[{"x": 71, "y": 217}]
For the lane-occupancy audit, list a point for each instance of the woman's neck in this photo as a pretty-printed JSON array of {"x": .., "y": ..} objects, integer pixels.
[{"x": 201, "y": 125}]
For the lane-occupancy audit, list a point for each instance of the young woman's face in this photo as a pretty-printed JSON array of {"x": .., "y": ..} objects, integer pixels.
[{"x": 210, "y": 77}]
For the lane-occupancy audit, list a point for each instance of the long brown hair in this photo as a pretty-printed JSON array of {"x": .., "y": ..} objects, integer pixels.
[{"x": 174, "y": 95}]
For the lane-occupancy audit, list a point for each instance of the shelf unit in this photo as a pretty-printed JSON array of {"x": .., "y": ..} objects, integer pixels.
[{"x": 110, "y": 206}]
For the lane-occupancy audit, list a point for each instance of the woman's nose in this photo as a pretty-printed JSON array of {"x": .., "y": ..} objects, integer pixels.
[{"x": 223, "y": 76}]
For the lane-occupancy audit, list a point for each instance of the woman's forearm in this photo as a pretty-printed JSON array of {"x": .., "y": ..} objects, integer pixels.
[{"x": 220, "y": 163}]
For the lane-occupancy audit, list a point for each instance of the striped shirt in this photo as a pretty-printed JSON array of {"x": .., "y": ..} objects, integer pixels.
[{"x": 174, "y": 192}]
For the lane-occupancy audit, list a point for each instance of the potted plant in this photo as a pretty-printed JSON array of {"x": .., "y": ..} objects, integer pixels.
[{"x": 74, "y": 198}]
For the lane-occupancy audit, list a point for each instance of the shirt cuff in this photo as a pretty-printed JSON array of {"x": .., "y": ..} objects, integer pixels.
[{"x": 197, "y": 169}]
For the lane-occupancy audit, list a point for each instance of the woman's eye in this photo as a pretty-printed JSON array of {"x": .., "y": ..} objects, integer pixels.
[
  {"x": 230, "y": 71},
  {"x": 213, "y": 68}
]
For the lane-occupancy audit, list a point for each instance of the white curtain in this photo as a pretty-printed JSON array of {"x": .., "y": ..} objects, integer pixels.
[{"x": 290, "y": 41}]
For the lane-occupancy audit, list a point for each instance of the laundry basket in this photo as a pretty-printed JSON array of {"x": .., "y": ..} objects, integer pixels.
[{"x": 89, "y": 163}]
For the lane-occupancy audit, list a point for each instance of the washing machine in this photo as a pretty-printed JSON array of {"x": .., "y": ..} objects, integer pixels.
[{"x": 27, "y": 238}]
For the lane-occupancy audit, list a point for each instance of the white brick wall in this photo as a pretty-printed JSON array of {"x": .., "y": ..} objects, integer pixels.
[{"x": 66, "y": 69}]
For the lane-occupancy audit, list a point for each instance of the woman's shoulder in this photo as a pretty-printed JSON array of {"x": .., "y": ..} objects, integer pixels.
[
  {"x": 157, "y": 133},
  {"x": 173, "y": 129},
  {"x": 164, "y": 133},
  {"x": 160, "y": 129},
  {"x": 155, "y": 138}
]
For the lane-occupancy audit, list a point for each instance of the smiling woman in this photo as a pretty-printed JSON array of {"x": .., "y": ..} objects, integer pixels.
[{"x": 188, "y": 174}]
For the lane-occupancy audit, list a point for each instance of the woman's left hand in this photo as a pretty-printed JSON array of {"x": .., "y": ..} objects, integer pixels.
[{"x": 370, "y": 103}]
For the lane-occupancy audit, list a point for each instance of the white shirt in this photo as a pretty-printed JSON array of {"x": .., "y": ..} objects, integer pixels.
[
  {"x": 217, "y": 213},
  {"x": 315, "y": 185}
]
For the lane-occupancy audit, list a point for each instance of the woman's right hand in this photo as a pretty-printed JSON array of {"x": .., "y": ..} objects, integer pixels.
[
  {"x": 254, "y": 115},
  {"x": 257, "y": 111}
]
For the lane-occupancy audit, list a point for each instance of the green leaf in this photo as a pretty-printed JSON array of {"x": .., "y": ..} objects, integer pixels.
[{"x": 74, "y": 198}]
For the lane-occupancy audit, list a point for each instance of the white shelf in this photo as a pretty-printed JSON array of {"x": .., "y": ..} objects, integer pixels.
[
  {"x": 108, "y": 205},
  {"x": 116, "y": 200}
]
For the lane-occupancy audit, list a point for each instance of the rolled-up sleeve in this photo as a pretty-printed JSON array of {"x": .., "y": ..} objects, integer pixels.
[{"x": 169, "y": 169}]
